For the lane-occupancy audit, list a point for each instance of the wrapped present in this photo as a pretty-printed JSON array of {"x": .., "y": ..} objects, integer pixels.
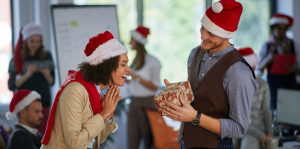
[{"x": 172, "y": 93}]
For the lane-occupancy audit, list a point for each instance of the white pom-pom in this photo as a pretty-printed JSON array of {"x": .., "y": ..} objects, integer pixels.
[
  {"x": 217, "y": 7},
  {"x": 10, "y": 115}
]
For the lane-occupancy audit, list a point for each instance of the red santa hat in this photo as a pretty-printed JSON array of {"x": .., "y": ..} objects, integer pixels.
[
  {"x": 249, "y": 55},
  {"x": 25, "y": 32},
  {"x": 140, "y": 34},
  {"x": 222, "y": 18},
  {"x": 20, "y": 100},
  {"x": 281, "y": 19},
  {"x": 103, "y": 47}
]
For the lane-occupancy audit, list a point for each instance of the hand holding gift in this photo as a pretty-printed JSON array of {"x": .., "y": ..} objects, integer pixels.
[{"x": 172, "y": 93}]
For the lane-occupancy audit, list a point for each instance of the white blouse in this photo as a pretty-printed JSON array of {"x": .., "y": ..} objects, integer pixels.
[{"x": 149, "y": 72}]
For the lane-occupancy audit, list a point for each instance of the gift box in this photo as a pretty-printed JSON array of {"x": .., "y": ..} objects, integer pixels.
[{"x": 172, "y": 93}]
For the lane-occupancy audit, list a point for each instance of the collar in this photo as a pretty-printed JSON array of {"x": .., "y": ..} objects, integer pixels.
[
  {"x": 101, "y": 92},
  {"x": 31, "y": 130}
]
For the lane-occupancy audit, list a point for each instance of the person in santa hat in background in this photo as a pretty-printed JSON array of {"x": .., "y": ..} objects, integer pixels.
[
  {"x": 27, "y": 105},
  {"x": 279, "y": 44},
  {"x": 32, "y": 67},
  {"x": 223, "y": 84},
  {"x": 145, "y": 70},
  {"x": 82, "y": 115},
  {"x": 260, "y": 127}
]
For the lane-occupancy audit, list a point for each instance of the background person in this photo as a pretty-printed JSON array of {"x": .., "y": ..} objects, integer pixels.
[
  {"x": 27, "y": 105},
  {"x": 32, "y": 68},
  {"x": 145, "y": 70},
  {"x": 260, "y": 127}
]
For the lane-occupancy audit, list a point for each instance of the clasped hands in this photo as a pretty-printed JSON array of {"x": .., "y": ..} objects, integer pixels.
[
  {"x": 186, "y": 113},
  {"x": 109, "y": 102}
]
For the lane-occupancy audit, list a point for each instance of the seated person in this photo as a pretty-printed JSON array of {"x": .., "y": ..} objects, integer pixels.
[
  {"x": 27, "y": 105},
  {"x": 260, "y": 124}
]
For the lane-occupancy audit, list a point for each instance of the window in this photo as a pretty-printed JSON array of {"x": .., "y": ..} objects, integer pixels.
[
  {"x": 5, "y": 51},
  {"x": 127, "y": 17},
  {"x": 253, "y": 29},
  {"x": 174, "y": 32}
]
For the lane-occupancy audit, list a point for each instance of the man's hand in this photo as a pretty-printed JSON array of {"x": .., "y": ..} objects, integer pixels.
[{"x": 186, "y": 113}]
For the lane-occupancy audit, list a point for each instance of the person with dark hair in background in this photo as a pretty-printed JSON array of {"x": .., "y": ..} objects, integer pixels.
[
  {"x": 145, "y": 70},
  {"x": 32, "y": 68},
  {"x": 82, "y": 115},
  {"x": 223, "y": 84},
  {"x": 279, "y": 44},
  {"x": 260, "y": 127},
  {"x": 27, "y": 105}
]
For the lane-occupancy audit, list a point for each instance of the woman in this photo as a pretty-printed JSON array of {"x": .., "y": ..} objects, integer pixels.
[
  {"x": 32, "y": 68},
  {"x": 79, "y": 117},
  {"x": 145, "y": 71}
]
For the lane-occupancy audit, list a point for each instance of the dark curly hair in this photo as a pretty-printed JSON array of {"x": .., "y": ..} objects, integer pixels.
[{"x": 101, "y": 73}]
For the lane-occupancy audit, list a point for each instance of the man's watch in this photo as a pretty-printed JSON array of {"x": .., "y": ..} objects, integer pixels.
[{"x": 196, "y": 120}]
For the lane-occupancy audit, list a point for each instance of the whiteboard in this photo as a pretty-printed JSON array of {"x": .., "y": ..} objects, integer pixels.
[{"x": 73, "y": 26}]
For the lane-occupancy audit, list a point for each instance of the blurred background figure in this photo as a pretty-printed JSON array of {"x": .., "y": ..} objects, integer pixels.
[
  {"x": 32, "y": 68},
  {"x": 278, "y": 43},
  {"x": 27, "y": 105},
  {"x": 145, "y": 70},
  {"x": 260, "y": 127}
]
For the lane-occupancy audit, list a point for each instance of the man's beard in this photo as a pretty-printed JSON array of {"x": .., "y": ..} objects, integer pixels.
[
  {"x": 35, "y": 124},
  {"x": 213, "y": 47}
]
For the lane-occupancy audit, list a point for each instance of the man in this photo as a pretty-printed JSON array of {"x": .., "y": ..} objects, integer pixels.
[
  {"x": 279, "y": 44},
  {"x": 27, "y": 105},
  {"x": 223, "y": 84},
  {"x": 260, "y": 127}
]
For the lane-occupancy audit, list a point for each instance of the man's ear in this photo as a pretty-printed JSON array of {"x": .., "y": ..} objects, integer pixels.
[{"x": 23, "y": 113}]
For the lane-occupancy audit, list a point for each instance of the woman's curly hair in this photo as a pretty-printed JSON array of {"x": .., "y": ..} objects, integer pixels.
[{"x": 101, "y": 73}]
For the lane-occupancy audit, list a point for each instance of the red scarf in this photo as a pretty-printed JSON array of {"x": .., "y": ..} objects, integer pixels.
[{"x": 73, "y": 76}]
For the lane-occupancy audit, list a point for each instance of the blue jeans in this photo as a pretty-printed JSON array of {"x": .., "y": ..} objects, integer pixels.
[{"x": 183, "y": 147}]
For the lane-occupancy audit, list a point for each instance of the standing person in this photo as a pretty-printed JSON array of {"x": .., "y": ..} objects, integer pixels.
[
  {"x": 79, "y": 117},
  {"x": 223, "y": 84},
  {"x": 279, "y": 44},
  {"x": 32, "y": 68},
  {"x": 260, "y": 127},
  {"x": 145, "y": 71},
  {"x": 27, "y": 105}
]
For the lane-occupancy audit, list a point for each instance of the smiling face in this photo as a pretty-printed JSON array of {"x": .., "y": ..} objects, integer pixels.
[
  {"x": 33, "y": 43},
  {"x": 210, "y": 41},
  {"x": 120, "y": 74}
]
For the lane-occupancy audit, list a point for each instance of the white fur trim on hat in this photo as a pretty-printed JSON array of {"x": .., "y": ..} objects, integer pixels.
[
  {"x": 215, "y": 29},
  {"x": 31, "y": 29},
  {"x": 138, "y": 37},
  {"x": 251, "y": 59},
  {"x": 107, "y": 50},
  {"x": 279, "y": 20},
  {"x": 217, "y": 7},
  {"x": 33, "y": 95}
]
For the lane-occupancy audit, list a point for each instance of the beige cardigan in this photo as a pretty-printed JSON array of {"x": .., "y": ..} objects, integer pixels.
[{"x": 75, "y": 125}]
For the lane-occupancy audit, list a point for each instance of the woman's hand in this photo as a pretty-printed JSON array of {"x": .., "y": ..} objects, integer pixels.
[
  {"x": 133, "y": 75},
  {"x": 45, "y": 72},
  {"x": 110, "y": 101},
  {"x": 31, "y": 69}
]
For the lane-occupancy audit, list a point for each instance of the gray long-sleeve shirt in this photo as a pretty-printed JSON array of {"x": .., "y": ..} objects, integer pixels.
[
  {"x": 240, "y": 87},
  {"x": 261, "y": 120}
]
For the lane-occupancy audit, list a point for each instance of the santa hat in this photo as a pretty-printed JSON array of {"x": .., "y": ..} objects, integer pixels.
[
  {"x": 103, "y": 47},
  {"x": 25, "y": 32},
  {"x": 21, "y": 99},
  {"x": 281, "y": 19},
  {"x": 249, "y": 56},
  {"x": 222, "y": 18},
  {"x": 140, "y": 34}
]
